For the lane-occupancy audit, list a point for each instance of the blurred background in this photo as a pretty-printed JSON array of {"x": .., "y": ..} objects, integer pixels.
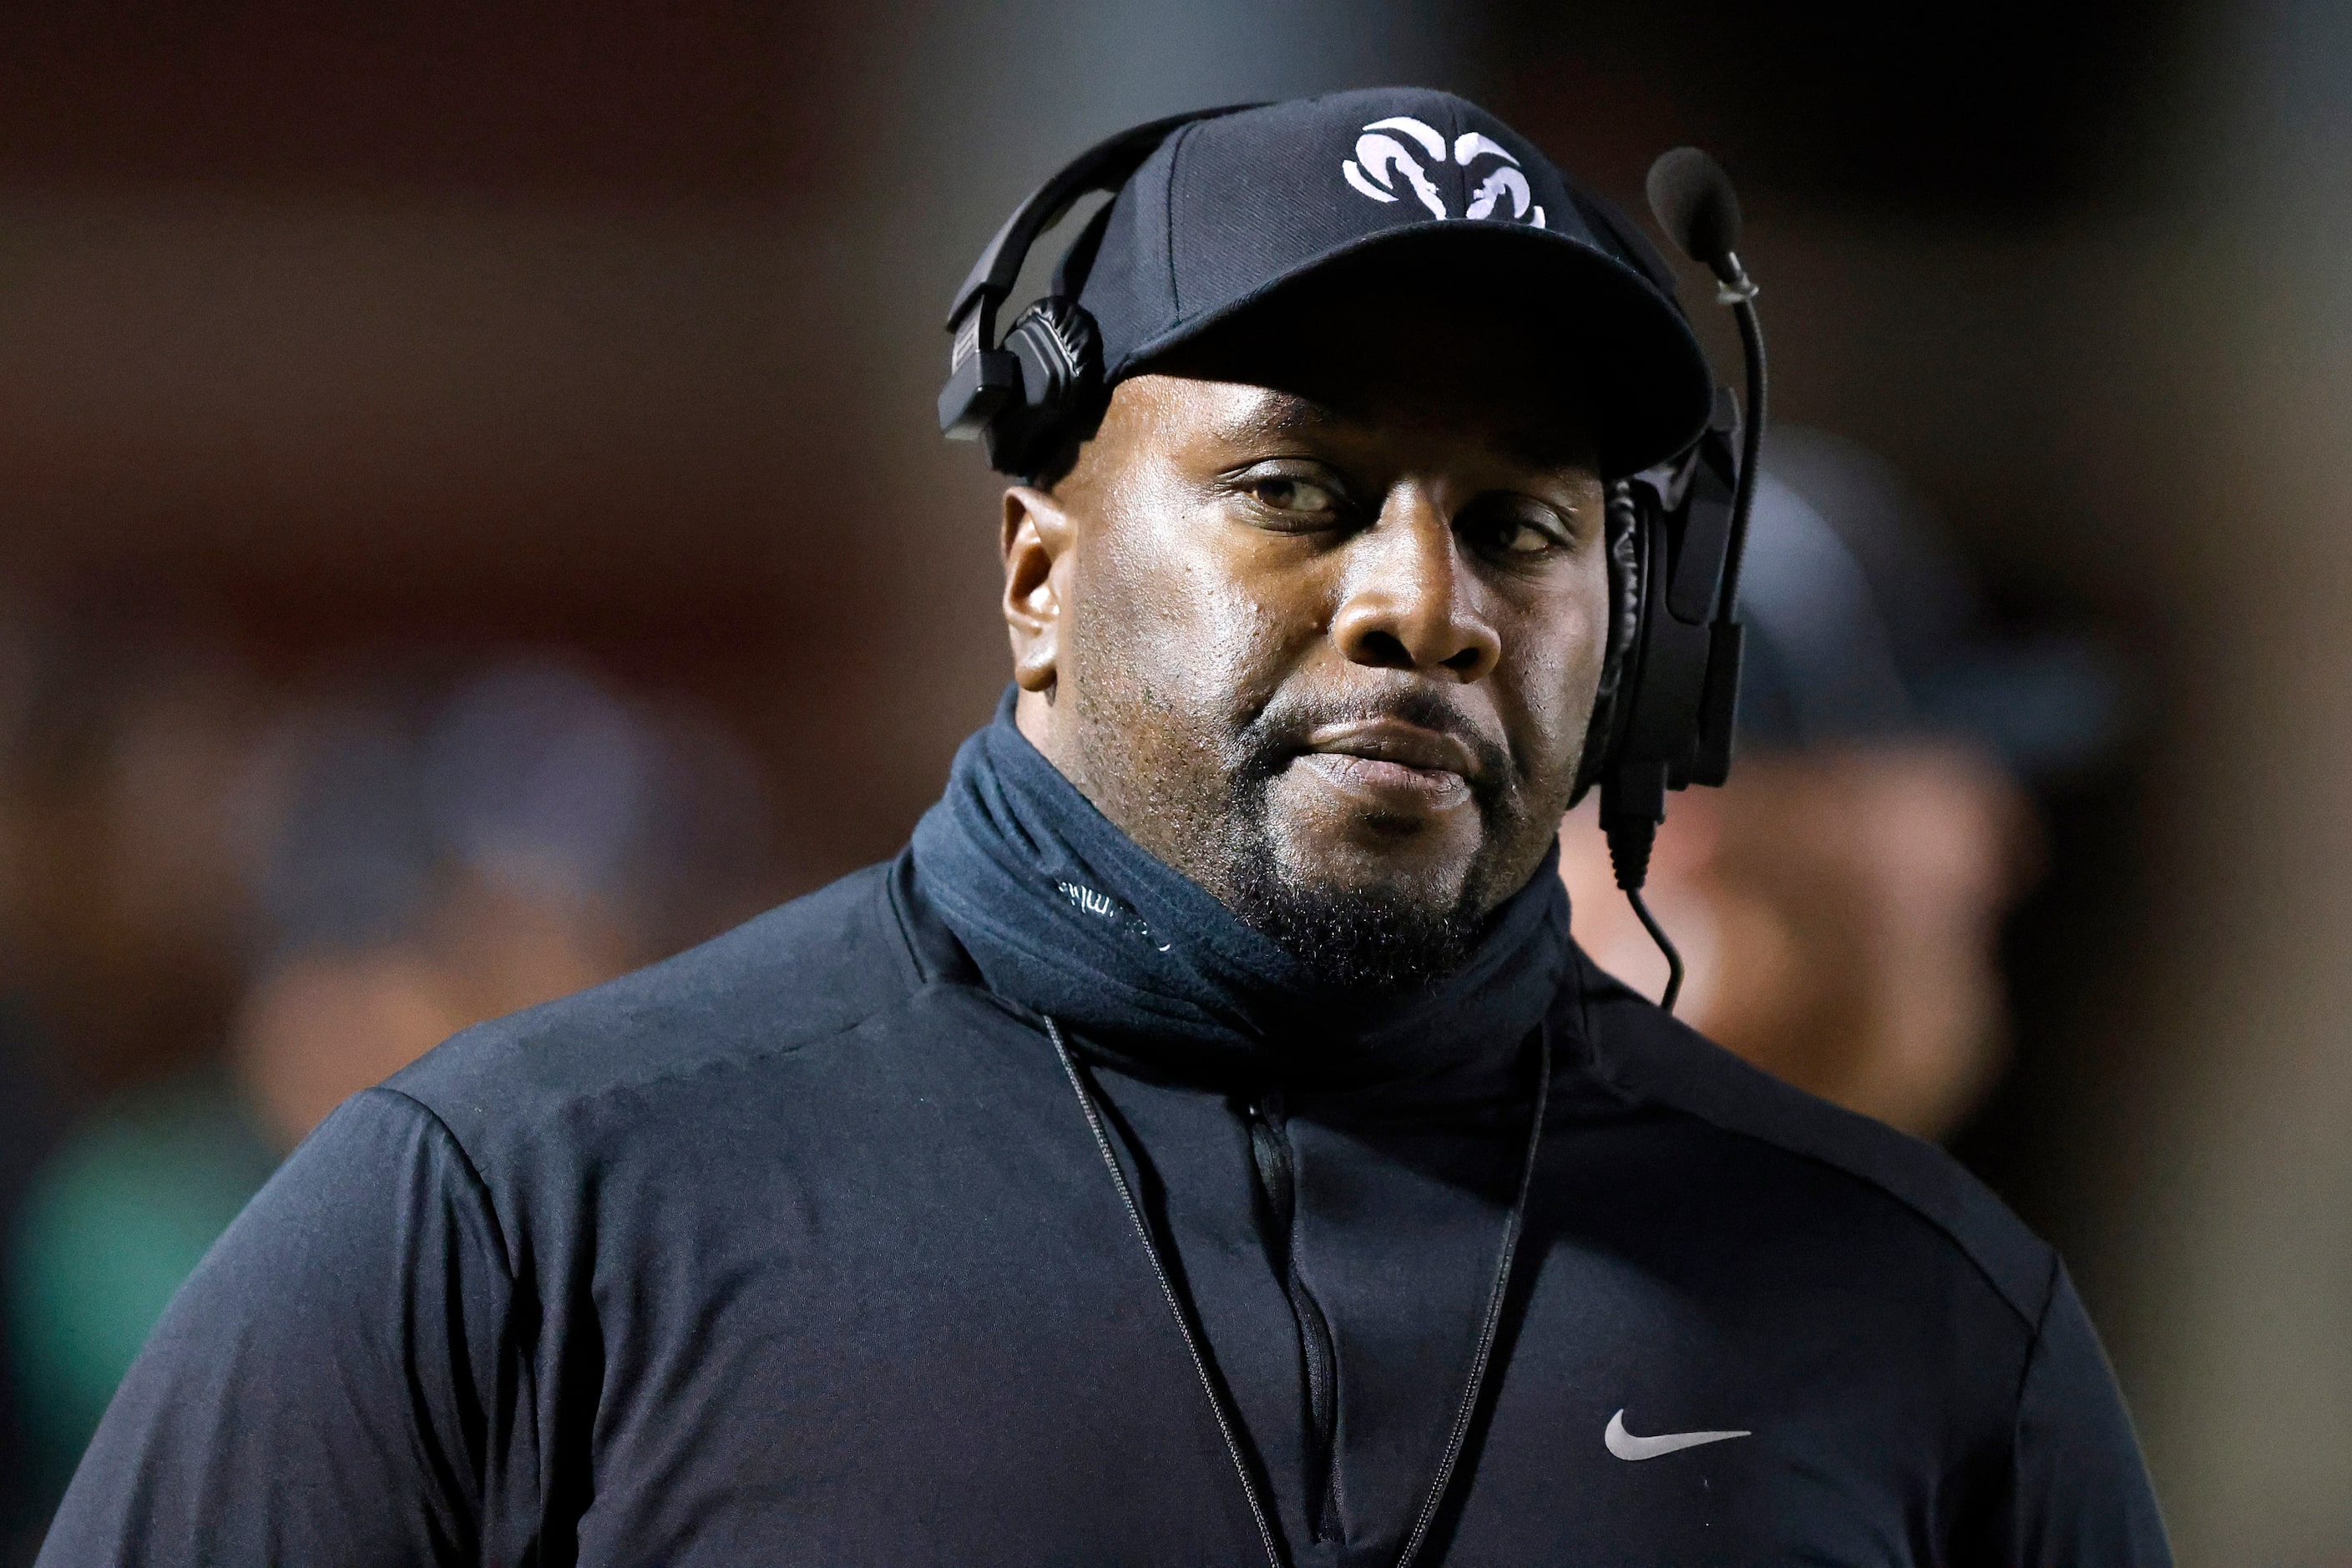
[{"x": 471, "y": 520}]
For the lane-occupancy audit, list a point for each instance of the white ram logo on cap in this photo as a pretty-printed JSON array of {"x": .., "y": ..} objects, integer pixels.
[{"x": 1381, "y": 157}]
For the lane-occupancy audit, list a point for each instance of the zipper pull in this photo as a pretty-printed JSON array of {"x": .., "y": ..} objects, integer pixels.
[{"x": 1270, "y": 1149}]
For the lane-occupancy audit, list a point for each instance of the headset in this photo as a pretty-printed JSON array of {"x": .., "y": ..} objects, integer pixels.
[
  {"x": 1044, "y": 380},
  {"x": 1676, "y": 533}
]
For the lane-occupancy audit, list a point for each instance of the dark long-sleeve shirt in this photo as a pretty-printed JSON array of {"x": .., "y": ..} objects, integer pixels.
[{"x": 797, "y": 1249}]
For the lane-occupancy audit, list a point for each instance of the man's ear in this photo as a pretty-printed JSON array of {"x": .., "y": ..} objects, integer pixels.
[{"x": 1036, "y": 544}]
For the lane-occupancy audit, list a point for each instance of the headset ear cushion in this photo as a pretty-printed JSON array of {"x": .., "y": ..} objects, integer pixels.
[
  {"x": 1614, "y": 697},
  {"x": 1060, "y": 350}
]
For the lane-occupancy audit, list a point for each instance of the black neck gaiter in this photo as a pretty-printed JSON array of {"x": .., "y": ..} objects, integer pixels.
[{"x": 1065, "y": 914}]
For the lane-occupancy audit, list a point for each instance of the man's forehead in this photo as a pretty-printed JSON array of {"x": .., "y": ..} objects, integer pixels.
[{"x": 1529, "y": 429}]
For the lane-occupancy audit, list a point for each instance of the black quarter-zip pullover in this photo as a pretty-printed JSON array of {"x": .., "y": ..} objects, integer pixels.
[{"x": 798, "y": 1249}]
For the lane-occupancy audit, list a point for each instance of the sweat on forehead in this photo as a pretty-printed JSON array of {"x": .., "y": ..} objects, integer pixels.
[
  {"x": 1322, "y": 377},
  {"x": 1544, "y": 434}
]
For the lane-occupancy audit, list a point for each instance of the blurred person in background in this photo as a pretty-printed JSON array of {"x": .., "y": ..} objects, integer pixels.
[
  {"x": 130, "y": 916},
  {"x": 1839, "y": 902},
  {"x": 417, "y": 867},
  {"x": 121, "y": 917}
]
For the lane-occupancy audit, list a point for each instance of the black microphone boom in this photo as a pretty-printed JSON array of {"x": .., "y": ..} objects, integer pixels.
[
  {"x": 1692, "y": 198},
  {"x": 1694, "y": 203}
]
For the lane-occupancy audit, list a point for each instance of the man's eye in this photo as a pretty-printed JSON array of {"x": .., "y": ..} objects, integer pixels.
[
  {"x": 1300, "y": 498},
  {"x": 1512, "y": 537}
]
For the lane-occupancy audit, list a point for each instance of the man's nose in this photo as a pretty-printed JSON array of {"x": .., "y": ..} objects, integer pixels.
[{"x": 1411, "y": 599}]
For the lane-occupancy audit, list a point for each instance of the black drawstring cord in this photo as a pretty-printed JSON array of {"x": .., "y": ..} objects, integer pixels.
[
  {"x": 1168, "y": 1289},
  {"x": 1487, "y": 1330}
]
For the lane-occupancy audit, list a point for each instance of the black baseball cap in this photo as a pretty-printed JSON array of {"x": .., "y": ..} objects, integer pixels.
[{"x": 1231, "y": 211}]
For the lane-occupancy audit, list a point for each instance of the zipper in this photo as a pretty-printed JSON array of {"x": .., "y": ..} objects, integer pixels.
[
  {"x": 1277, "y": 1181},
  {"x": 1457, "y": 1433}
]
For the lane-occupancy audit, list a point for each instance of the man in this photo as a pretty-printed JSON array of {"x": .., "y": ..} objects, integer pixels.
[{"x": 1204, "y": 1145}]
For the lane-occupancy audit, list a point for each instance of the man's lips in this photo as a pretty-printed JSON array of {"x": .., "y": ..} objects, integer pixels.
[{"x": 1389, "y": 763}]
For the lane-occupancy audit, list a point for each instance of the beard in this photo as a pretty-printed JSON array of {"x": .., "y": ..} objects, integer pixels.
[
  {"x": 1375, "y": 939},
  {"x": 1216, "y": 825},
  {"x": 1387, "y": 936}
]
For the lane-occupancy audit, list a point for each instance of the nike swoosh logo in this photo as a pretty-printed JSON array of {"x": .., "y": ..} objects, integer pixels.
[{"x": 1625, "y": 1446}]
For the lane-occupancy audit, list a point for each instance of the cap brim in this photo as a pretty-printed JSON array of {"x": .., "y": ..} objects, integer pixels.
[{"x": 1629, "y": 350}]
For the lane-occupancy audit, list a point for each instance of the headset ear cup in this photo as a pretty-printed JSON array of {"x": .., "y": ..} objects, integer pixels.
[
  {"x": 1620, "y": 659},
  {"x": 1060, "y": 350}
]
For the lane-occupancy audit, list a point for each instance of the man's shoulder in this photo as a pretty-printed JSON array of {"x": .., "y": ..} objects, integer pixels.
[
  {"x": 1652, "y": 1058},
  {"x": 803, "y": 973}
]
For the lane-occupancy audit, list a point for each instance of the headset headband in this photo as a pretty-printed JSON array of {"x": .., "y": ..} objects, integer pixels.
[{"x": 1103, "y": 167}]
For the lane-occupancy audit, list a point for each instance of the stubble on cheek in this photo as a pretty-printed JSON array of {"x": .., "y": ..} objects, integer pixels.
[
  {"x": 1170, "y": 667},
  {"x": 1555, "y": 702}
]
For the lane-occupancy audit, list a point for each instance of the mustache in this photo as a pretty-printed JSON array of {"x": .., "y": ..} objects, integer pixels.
[{"x": 1281, "y": 732}]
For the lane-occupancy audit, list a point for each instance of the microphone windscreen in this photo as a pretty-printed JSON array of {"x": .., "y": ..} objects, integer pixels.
[{"x": 1694, "y": 205}]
